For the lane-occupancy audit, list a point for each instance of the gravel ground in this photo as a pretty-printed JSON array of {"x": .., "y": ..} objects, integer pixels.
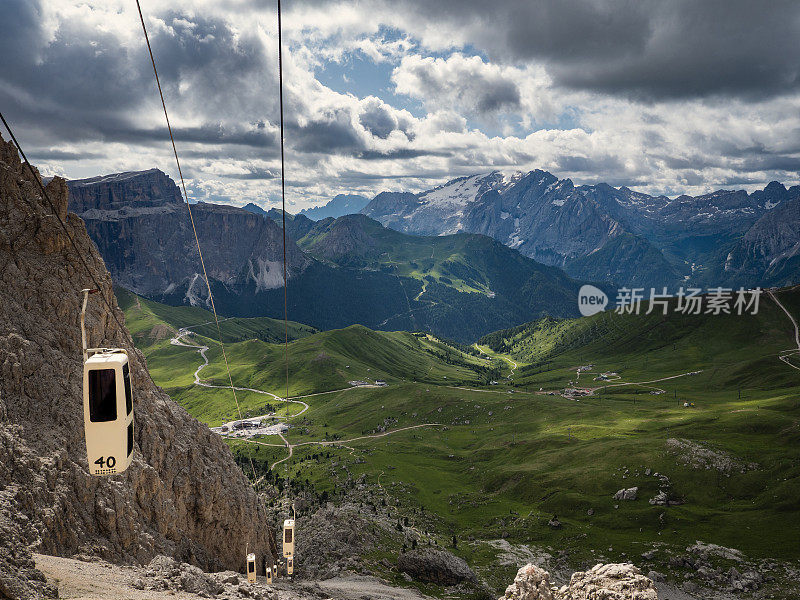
[{"x": 78, "y": 580}]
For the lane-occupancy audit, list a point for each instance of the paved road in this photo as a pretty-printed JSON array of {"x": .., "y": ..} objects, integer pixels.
[
  {"x": 291, "y": 447},
  {"x": 644, "y": 383},
  {"x": 179, "y": 341},
  {"x": 785, "y": 354}
]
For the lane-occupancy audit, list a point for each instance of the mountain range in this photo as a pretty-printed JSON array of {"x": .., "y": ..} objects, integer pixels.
[
  {"x": 599, "y": 232},
  {"x": 339, "y": 206},
  {"x": 348, "y": 270}
]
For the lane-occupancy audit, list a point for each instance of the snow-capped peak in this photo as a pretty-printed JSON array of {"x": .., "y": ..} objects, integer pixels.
[{"x": 465, "y": 190}]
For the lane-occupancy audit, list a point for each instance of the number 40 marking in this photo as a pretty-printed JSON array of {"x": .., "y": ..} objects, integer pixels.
[{"x": 110, "y": 463}]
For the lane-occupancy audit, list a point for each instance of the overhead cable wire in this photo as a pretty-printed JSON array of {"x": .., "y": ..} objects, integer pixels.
[
  {"x": 283, "y": 211},
  {"x": 191, "y": 219}
]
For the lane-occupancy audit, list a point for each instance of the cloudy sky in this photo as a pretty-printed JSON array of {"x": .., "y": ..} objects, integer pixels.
[{"x": 665, "y": 96}]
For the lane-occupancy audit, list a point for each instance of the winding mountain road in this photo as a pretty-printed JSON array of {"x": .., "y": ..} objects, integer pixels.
[
  {"x": 645, "y": 383},
  {"x": 179, "y": 341},
  {"x": 785, "y": 354}
]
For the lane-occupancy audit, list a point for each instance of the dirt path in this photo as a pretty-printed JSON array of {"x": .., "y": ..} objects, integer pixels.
[
  {"x": 368, "y": 587},
  {"x": 644, "y": 383}
]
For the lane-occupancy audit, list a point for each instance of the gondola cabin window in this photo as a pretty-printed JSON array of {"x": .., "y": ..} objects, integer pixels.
[
  {"x": 102, "y": 395},
  {"x": 126, "y": 376},
  {"x": 108, "y": 412}
]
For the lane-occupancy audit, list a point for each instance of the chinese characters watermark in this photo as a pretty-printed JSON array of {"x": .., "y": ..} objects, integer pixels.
[{"x": 689, "y": 301}]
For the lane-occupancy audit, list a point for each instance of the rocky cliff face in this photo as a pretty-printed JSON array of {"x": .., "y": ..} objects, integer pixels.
[
  {"x": 183, "y": 496},
  {"x": 148, "y": 246},
  {"x": 134, "y": 189},
  {"x": 142, "y": 229}
]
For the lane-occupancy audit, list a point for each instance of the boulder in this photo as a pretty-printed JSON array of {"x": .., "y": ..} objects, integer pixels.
[
  {"x": 660, "y": 499},
  {"x": 183, "y": 577},
  {"x": 531, "y": 583},
  {"x": 436, "y": 566},
  {"x": 627, "y": 494},
  {"x": 616, "y": 581}
]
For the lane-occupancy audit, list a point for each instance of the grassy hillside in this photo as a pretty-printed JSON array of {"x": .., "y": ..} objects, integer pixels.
[
  {"x": 459, "y": 287},
  {"x": 733, "y": 351},
  {"x": 464, "y": 262},
  {"x": 150, "y": 321},
  {"x": 499, "y": 461},
  {"x": 318, "y": 361}
]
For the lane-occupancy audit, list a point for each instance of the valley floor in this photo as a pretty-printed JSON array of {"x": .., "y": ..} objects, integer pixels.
[{"x": 616, "y": 438}]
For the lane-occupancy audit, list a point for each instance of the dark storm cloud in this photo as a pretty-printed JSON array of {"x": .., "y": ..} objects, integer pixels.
[
  {"x": 210, "y": 133},
  {"x": 222, "y": 70},
  {"x": 36, "y": 155},
  {"x": 378, "y": 120},
  {"x": 401, "y": 153},
  {"x": 82, "y": 70},
  {"x": 253, "y": 174},
  {"x": 502, "y": 96},
  {"x": 83, "y": 84},
  {"x": 649, "y": 48},
  {"x": 583, "y": 164},
  {"x": 331, "y": 132}
]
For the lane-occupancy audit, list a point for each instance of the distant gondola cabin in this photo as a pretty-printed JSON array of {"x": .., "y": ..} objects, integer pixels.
[
  {"x": 108, "y": 411},
  {"x": 290, "y": 565},
  {"x": 269, "y": 574},
  {"x": 251, "y": 568},
  {"x": 288, "y": 538}
]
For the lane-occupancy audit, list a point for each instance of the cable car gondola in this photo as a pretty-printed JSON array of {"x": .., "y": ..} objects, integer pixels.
[
  {"x": 290, "y": 565},
  {"x": 107, "y": 405},
  {"x": 269, "y": 574},
  {"x": 288, "y": 538},
  {"x": 251, "y": 568}
]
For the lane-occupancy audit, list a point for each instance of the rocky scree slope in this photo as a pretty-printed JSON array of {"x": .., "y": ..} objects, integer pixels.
[{"x": 183, "y": 496}]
